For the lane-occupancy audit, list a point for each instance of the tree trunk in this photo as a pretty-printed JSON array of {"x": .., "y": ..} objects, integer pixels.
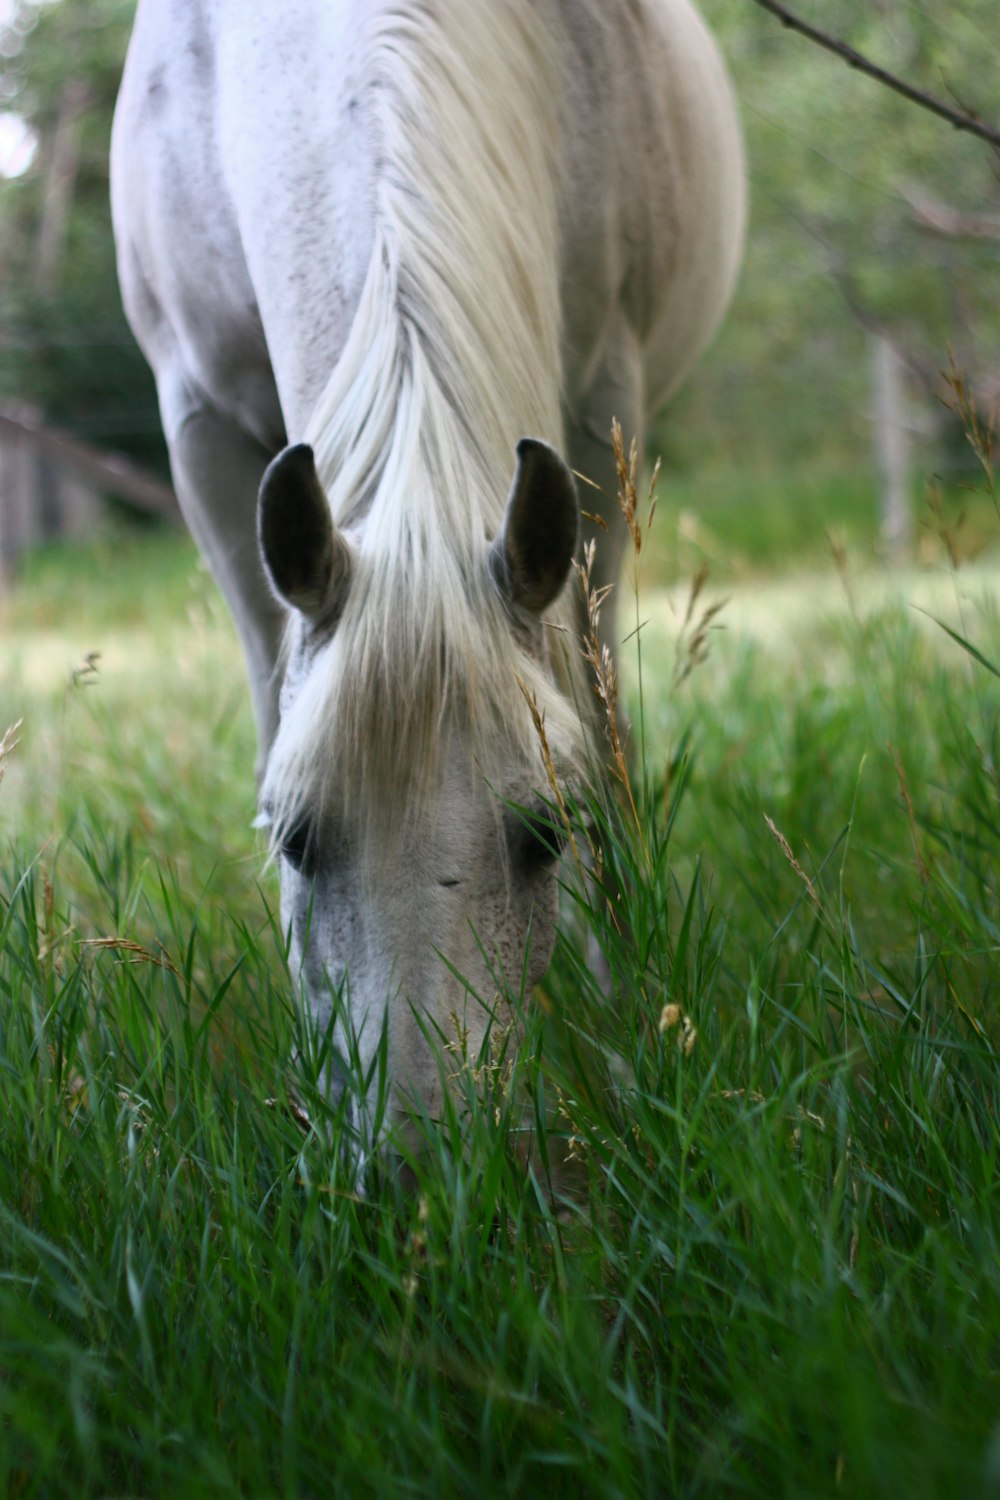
[
  {"x": 890, "y": 448},
  {"x": 60, "y": 182}
]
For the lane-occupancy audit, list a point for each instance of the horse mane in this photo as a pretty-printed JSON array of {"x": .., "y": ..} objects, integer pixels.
[{"x": 453, "y": 355}]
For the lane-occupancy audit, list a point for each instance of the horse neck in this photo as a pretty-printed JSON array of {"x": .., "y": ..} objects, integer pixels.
[{"x": 454, "y": 351}]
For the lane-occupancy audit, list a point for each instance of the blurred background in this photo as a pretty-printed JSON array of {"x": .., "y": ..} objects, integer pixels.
[{"x": 819, "y": 420}]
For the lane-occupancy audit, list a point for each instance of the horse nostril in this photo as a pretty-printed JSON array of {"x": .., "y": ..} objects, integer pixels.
[{"x": 449, "y": 883}]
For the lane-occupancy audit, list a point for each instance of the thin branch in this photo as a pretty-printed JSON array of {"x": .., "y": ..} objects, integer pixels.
[
  {"x": 959, "y": 118},
  {"x": 942, "y": 218}
]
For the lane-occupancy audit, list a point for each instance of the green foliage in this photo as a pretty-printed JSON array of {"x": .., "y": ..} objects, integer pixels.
[
  {"x": 65, "y": 346},
  {"x": 754, "y": 1246},
  {"x": 834, "y": 246}
]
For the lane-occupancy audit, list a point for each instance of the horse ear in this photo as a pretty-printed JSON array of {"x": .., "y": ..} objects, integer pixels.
[
  {"x": 307, "y": 560},
  {"x": 531, "y": 556}
]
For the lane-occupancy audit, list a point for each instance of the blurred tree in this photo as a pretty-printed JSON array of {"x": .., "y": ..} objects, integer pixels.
[
  {"x": 846, "y": 180},
  {"x": 64, "y": 343}
]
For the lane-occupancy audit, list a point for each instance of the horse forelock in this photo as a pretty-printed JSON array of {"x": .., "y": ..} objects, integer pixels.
[{"x": 418, "y": 665}]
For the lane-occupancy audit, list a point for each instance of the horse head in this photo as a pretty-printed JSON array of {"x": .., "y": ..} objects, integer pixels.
[{"x": 409, "y": 801}]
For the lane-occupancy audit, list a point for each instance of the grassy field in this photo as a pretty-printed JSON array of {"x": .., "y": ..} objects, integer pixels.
[{"x": 776, "y": 1269}]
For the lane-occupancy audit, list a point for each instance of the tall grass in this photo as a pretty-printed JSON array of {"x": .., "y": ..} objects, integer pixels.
[{"x": 753, "y": 1247}]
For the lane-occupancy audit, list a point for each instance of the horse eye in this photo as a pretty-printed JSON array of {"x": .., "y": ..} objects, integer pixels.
[
  {"x": 297, "y": 845},
  {"x": 537, "y": 837}
]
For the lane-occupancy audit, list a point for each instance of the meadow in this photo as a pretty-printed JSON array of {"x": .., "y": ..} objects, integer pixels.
[{"x": 753, "y": 1248}]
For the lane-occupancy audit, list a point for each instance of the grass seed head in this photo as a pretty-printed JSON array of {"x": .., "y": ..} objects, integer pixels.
[
  {"x": 673, "y": 1016},
  {"x": 786, "y": 850},
  {"x": 8, "y": 744}
]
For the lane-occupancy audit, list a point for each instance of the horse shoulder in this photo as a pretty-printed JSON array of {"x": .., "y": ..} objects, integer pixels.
[{"x": 655, "y": 204}]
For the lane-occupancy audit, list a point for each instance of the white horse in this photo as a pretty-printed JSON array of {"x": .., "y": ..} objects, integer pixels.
[{"x": 402, "y": 235}]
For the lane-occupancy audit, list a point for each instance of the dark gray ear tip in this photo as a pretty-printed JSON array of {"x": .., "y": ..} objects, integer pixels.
[
  {"x": 288, "y": 481},
  {"x": 528, "y": 446},
  {"x": 543, "y": 468},
  {"x": 532, "y": 555},
  {"x": 306, "y": 560},
  {"x": 296, "y": 463},
  {"x": 541, "y": 457},
  {"x": 299, "y": 453}
]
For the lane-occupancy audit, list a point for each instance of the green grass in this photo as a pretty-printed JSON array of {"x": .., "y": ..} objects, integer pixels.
[{"x": 771, "y": 1267}]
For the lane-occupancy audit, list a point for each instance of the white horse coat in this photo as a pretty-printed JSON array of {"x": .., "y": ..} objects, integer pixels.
[{"x": 411, "y": 233}]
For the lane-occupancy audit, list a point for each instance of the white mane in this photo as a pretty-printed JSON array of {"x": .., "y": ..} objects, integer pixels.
[{"x": 453, "y": 355}]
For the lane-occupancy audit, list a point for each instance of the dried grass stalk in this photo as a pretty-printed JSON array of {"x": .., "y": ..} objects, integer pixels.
[{"x": 8, "y": 744}]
